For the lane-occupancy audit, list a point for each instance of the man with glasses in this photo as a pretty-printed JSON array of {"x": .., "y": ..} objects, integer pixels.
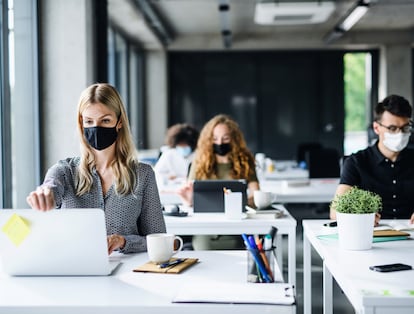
[{"x": 387, "y": 167}]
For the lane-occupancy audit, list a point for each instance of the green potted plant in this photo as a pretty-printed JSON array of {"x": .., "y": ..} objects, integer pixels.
[{"x": 355, "y": 213}]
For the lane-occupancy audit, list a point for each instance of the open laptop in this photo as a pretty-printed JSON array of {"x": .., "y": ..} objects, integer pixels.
[
  {"x": 62, "y": 242},
  {"x": 208, "y": 195}
]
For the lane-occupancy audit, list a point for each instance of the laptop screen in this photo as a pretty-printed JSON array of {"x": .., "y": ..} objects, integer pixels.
[{"x": 208, "y": 195}]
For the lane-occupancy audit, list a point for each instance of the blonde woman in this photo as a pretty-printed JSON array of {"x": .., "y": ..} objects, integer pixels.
[
  {"x": 222, "y": 154},
  {"x": 107, "y": 175}
]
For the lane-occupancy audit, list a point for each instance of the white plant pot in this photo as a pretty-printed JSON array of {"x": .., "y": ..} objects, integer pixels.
[{"x": 355, "y": 231}]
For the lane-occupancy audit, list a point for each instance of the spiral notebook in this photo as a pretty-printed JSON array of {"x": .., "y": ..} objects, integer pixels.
[{"x": 174, "y": 269}]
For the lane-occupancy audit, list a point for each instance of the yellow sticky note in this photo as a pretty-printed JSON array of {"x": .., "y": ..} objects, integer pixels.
[{"x": 16, "y": 229}]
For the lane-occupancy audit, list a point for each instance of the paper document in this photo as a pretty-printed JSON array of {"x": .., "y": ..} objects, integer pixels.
[{"x": 240, "y": 293}]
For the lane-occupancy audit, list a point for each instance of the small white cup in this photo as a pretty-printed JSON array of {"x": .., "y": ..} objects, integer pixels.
[
  {"x": 263, "y": 199},
  {"x": 160, "y": 246}
]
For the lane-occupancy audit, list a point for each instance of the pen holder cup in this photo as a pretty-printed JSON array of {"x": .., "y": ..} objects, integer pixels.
[{"x": 261, "y": 266}]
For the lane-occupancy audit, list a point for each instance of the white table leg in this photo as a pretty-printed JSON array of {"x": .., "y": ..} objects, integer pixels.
[
  {"x": 307, "y": 276},
  {"x": 279, "y": 251},
  {"x": 327, "y": 290},
  {"x": 292, "y": 258}
]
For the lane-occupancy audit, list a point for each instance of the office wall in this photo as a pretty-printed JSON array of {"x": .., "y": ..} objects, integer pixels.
[
  {"x": 66, "y": 69},
  {"x": 396, "y": 66},
  {"x": 156, "y": 97},
  {"x": 280, "y": 99}
]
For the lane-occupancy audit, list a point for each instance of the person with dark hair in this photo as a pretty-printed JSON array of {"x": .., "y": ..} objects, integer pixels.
[
  {"x": 387, "y": 167},
  {"x": 174, "y": 162}
]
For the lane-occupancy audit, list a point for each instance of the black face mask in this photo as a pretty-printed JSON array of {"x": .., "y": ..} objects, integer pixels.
[
  {"x": 222, "y": 149},
  {"x": 99, "y": 137}
]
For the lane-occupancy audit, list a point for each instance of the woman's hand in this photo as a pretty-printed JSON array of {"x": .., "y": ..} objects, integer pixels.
[
  {"x": 115, "y": 241},
  {"x": 412, "y": 219},
  {"x": 186, "y": 193},
  {"x": 41, "y": 199},
  {"x": 377, "y": 219}
]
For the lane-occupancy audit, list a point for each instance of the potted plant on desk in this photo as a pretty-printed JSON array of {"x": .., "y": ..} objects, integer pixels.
[{"x": 355, "y": 213}]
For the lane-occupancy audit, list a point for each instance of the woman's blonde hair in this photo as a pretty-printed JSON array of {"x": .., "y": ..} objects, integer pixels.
[
  {"x": 125, "y": 161},
  {"x": 240, "y": 157}
]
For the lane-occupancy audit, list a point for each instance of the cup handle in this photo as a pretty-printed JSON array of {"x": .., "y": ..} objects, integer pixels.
[{"x": 180, "y": 247}]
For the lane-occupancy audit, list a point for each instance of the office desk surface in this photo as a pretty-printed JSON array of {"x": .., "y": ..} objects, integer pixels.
[
  {"x": 367, "y": 290},
  {"x": 130, "y": 292},
  {"x": 217, "y": 223},
  {"x": 318, "y": 190}
]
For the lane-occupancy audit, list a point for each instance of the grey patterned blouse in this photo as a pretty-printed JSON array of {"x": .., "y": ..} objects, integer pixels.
[{"x": 133, "y": 216}]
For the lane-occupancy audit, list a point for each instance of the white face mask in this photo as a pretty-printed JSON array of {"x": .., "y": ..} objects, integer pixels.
[
  {"x": 184, "y": 151},
  {"x": 396, "y": 142}
]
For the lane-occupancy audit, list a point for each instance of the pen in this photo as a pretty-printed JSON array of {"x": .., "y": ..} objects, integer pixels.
[
  {"x": 331, "y": 224},
  {"x": 173, "y": 263},
  {"x": 255, "y": 252}
]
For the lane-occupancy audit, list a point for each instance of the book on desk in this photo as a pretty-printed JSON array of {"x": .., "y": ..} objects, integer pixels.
[{"x": 271, "y": 212}]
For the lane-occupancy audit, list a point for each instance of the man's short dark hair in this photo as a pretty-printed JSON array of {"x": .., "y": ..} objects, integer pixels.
[{"x": 394, "y": 104}]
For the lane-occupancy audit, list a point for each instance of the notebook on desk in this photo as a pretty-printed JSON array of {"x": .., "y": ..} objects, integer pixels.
[
  {"x": 208, "y": 195},
  {"x": 66, "y": 242}
]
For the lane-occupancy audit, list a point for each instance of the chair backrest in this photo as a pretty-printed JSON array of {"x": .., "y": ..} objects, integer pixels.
[
  {"x": 305, "y": 147},
  {"x": 323, "y": 163}
]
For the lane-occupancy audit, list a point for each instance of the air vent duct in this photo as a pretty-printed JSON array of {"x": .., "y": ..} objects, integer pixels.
[{"x": 292, "y": 13}]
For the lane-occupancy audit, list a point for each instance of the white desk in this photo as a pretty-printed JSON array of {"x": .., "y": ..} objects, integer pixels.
[
  {"x": 284, "y": 170},
  {"x": 129, "y": 292},
  {"x": 216, "y": 223},
  {"x": 286, "y": 173},
  {"x": 365, "y": 289},
  {"x": 318, "y": 191}
]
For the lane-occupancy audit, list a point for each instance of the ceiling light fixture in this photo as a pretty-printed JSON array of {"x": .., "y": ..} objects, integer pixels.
[
  {"x": 350, "y": 19},
  {"x": 356, "y": 14},
  {"x": 292, "y": 13}
]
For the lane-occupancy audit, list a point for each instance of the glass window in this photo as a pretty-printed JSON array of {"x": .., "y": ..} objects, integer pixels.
[
  {"x": 126, "y": 73},
  {"x": 357, "y": 81},
  {"x": 20, "y": 114}
]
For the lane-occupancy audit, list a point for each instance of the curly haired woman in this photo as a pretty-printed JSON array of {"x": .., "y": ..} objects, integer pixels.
[{"x": 221, "y": 153}]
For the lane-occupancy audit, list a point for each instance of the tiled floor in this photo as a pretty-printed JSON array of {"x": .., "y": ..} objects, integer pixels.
[{"x": 341, "y": 303}]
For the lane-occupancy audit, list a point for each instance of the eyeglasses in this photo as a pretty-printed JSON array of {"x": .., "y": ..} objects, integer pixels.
[{"x": 395, "y": 129}]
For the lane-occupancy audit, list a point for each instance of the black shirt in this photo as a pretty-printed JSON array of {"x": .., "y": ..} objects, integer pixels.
[{"x": 393, "y": 181}]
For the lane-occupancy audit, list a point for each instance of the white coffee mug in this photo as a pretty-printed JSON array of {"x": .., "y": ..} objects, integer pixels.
[
  {"x": 160, "y": 246},
  {"x": 263, "y": 199}
]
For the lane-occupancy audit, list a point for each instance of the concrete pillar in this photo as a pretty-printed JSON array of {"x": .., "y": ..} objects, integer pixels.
[
  {"x": 67, "y": 68},
  {"x": 396, "y": 71},
  {"x": 156, "y": 71}
]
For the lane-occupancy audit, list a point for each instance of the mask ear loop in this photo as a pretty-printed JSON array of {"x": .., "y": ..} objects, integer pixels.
[{"x": 117, "y": 121}]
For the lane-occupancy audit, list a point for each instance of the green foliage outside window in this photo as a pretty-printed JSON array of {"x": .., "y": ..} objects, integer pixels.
[{"x": 355, "y": 92}]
